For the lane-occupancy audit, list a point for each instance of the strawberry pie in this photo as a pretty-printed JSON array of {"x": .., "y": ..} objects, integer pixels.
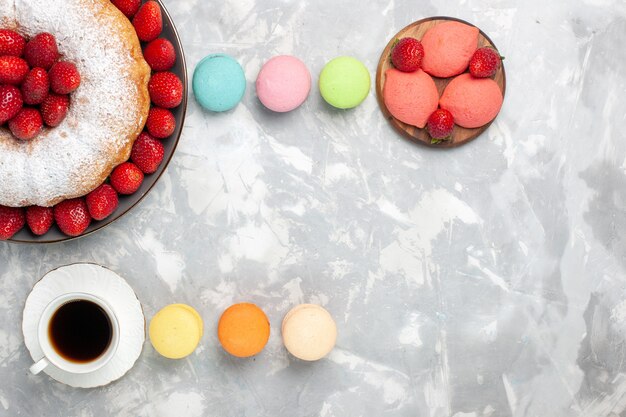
[
  {"x": 83, "y": 109},
  {"x": 105, "y": 113}
]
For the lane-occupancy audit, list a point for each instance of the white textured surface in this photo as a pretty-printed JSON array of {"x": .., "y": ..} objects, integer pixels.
[
  {"x": 483, "y": 281},
  {"x": 70, "y": 157}
]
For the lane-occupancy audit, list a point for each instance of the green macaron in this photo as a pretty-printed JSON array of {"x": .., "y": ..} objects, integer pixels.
[{"x": 344, "y": 82}]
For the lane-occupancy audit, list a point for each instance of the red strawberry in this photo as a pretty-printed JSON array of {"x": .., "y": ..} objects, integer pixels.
[
  {"x": 39, "y": 219},
  {"x": 161, "y": 122},
  {"x": 148, "y": 21},
  {"x": 41, "y": 51},
  {"x": 166, "y": 89},
  {"x": 35, "y": 86},
  {"x": 12, "y": 220},
  {"x": 54, "y": 109},
  {"x": 128, "y": 7},
  {"x": 64, "y": 77},
  {"x": 440, "y": 125},
  {"x": 407, "y": 54},
  {"x": 147, "y": 153},
  {"x": 72, "y": 216},
  {"x": 26, "y": 124},
  {"x": 485, "y": 62},
  {"x": 160, "y": 55},
  {"x": 102, "y": 202},
  {"x": 11, "y": 43},
  {"x": 10, "y": 102},
  {"x": 126, "y": 178},
  {"x": 12, "y": 70}
]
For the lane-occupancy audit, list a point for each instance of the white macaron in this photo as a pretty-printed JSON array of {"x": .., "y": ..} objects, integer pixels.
[{"x": 309, "y": 332}]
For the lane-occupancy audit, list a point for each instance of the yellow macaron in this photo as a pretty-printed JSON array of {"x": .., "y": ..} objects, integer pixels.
[{"x": 176, "y": 330}]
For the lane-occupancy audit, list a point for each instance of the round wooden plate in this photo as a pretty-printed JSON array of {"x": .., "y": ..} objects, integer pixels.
[{"x": 460, "y": 135}]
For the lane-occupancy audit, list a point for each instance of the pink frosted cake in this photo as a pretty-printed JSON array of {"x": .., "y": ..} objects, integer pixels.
[
  {"x": 448, "y": 48},
  {"x": 473, "y": 102},
  {"x": 410, "y": 96}
]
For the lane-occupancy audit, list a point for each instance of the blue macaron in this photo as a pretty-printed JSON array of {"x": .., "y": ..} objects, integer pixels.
[{"x": 219, "y": 82}]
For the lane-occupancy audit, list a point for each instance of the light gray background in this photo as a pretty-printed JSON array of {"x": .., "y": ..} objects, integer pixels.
[{"x": 482, "y": 281}]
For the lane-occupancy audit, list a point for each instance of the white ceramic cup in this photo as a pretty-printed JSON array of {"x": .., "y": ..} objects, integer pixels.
[{"x": 51, "y": 356}]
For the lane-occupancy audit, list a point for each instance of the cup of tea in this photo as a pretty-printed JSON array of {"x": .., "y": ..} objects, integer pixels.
[{"x": 78, "y": 333}]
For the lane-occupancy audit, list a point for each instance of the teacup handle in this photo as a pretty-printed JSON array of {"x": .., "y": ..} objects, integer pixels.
[{"x": 39, "y": 366}]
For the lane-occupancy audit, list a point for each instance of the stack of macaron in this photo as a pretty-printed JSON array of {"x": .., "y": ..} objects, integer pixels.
[
  {"x": 449, "y": 50},
  {"x": 309, "y": 332},
  {"x": 282, "y": 85}
]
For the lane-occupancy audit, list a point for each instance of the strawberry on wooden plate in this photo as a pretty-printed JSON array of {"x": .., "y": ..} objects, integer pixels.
[
  {"x": 440, "y": 125},
  {"x": 485, "y": 62},
  {"x": 407, "y": 55}
]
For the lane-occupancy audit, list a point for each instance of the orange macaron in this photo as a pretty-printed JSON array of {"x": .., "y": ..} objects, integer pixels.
[{"x": 243, "y": 330}]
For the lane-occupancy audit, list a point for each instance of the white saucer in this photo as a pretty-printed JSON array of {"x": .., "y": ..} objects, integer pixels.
[{"x": 103, "y": 283}]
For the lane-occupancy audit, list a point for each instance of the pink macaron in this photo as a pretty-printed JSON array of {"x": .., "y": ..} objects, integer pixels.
[{"x": 283, "y": 83}]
